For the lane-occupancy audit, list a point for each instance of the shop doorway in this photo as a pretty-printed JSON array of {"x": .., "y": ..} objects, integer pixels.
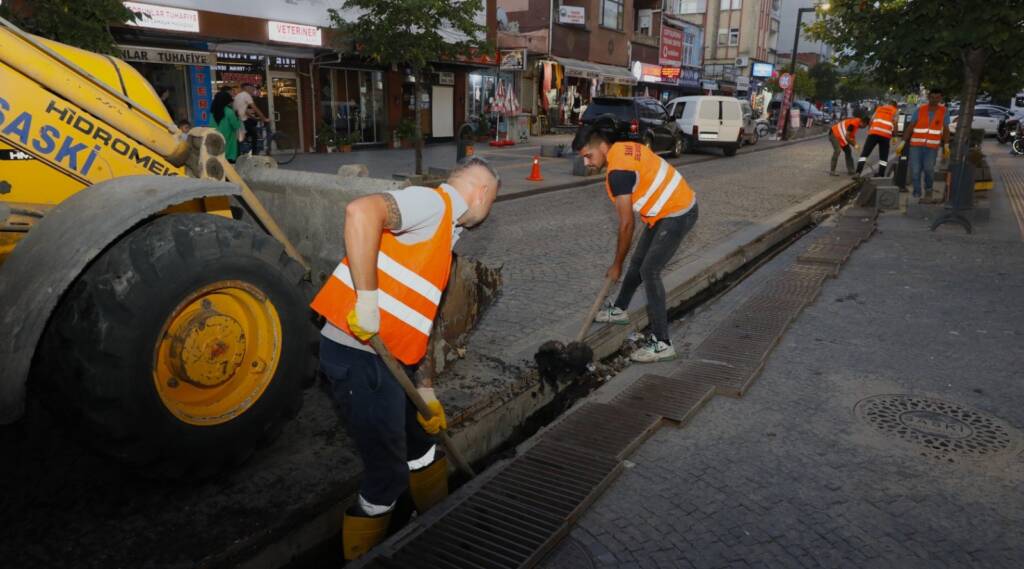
[
  {"x": 285, "y": 105},
  {"x": 352, "y": 102}
]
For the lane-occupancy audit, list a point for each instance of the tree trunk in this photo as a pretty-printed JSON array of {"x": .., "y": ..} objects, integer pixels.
[
  {"x": 418, "y": 92},
  {"x": 974, "y": 62}
]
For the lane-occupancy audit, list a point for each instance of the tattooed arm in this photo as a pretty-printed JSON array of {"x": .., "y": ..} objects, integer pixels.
[{"x": 365, "y": 219}]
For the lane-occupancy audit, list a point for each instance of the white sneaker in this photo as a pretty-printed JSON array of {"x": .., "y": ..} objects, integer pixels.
[
  {"x": 613, "y": 315},
  {"x": 653, "y": 350}
]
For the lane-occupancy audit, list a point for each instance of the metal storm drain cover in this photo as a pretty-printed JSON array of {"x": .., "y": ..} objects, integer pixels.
[{"x": 943, "y": 430}]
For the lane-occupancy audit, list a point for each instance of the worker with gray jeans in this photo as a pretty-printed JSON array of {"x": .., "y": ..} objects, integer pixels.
[{"x": 836, "y": 151}]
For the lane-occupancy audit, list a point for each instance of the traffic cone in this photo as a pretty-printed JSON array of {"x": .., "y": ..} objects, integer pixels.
[{"x": 535, "y": 172}]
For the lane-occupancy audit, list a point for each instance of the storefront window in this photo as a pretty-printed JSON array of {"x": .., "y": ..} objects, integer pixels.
[
  {"x": 171, "y": 83},
  {"x": 353, "y": 104},
  {"x": 482, "y": 88}
]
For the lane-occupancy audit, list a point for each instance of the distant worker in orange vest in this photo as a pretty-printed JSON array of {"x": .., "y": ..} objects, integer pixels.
[
  {"x": 843, "y": 137},
  {"x": 926, "y": 130},
  {"x": 880, "y": 129},
  {"x": 638, "y": 180},
  {"x": 399, "y": 255}
]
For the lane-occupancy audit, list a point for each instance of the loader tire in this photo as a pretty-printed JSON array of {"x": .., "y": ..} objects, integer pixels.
[{"x": 183, "y": 347}]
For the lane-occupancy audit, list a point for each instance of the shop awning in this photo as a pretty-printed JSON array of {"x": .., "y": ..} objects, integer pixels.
[{"x": 588, "y": 70}]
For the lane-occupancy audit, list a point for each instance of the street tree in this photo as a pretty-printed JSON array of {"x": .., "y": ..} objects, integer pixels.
[
  {"x": 81, "y": 23},
  {"x": 803, "y": 85},
  {"x": 826, "y": 81},
  {"x": 907, "y": 43},
  {"x": 409, "y": 35}
]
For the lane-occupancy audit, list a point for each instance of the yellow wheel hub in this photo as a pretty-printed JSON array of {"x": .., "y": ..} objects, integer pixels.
[{"x": 217, "y": 353}]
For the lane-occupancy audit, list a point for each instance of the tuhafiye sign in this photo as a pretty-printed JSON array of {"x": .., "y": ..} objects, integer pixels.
[
  {"x": 164, "y": 17},
  {"x": 166, "y": 56}
]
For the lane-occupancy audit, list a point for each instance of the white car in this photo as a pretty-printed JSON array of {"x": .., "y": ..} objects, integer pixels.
[
  {"x": 708, "y": 121},
  {"x": 985, "y": 117}
]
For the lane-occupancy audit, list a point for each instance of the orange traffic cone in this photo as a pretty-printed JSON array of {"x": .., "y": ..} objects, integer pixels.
[{"x": 535, "y": 172}]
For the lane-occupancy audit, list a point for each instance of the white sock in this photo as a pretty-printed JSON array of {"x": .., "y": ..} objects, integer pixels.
[{"x": 374, "y": 509}]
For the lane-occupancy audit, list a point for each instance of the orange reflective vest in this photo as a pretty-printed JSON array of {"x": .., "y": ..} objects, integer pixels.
[
  {"x": 928, "y": 134},
  {"x": 660, "y": 190},
  {"x": 845, "y": 130},
  {"x": 883, "y": 121},
  {"x": 410, "y": 279}
]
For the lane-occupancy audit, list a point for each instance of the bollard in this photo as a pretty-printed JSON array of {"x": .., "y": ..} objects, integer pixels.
[{"x": 465, "y": 142}]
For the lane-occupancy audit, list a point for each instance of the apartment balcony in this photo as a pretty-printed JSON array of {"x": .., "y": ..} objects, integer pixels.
[{"x": 645, "y": 39}]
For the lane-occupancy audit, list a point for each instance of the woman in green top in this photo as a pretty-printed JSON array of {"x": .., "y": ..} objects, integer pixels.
[{"x": 226, "y": 122}]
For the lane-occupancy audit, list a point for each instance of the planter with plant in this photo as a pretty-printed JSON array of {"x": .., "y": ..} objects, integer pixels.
[
  {"x": 345, "y": 142},
  {"x": 327, "y": 138},
  {"x": 406, "y": 133}
]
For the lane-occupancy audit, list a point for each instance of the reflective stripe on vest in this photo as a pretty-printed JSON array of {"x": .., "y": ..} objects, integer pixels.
[
  {"x": 660, "y": 189},
  {"x": 839, "y": 130},
  {"x": 881, "y": 122},
  {"x": 925, "y": 133},
  {"x": 410, "y": 279}
]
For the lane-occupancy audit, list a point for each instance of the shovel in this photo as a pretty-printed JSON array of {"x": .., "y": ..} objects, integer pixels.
[
  {"x": 410, "y": 391},
  {"x": 554, "y": 357}
]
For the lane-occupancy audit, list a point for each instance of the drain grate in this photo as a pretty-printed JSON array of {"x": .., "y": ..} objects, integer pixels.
[
  {"x": 676, "y": 399},
  {"x": 603, "y": 428},
  {"x": 940, "y": 429},
  {"x": 727, "y": 379}
]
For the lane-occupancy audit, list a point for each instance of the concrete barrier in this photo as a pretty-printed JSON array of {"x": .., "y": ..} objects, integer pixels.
[{"x": 354, "y": 170}]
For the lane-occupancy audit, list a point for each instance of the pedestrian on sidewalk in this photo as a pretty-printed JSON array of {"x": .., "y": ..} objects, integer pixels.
[
  {"x": 843, "y": 137},
  {"x": 399, "y": 247},
  {"x": 927, "y": 130},
  {"x": 250, "y": 115},
  {"x": 639, "y": 180},
  {"x": 879, "y": 133},
  {"x": 224, "y": 119}
]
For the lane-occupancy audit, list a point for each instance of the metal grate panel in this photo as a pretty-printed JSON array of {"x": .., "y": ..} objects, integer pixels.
[
  {"x": 726, "y": 379},
  {"x": 676, "y": 399},
  {"x": 604, "y": 429}
]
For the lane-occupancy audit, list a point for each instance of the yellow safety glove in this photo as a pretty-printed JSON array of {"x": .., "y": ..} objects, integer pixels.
[
  {"x": 364, "y": 319},
  {"x": 945, "y": 153},
  {"x": 899, "y": 149},
  {"x": 438, "y": 421}
]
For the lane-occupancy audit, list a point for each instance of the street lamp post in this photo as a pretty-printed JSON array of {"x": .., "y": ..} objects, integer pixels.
[{"x": 796, "y": 43}]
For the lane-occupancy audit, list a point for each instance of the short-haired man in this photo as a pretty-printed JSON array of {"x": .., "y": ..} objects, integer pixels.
[
  {"x": 638, "y": 180},
  {"x": 399, "y": 255},
  {"x": 250, "y": 115},
  {"x": 883, "y": 123},
  {"x": 843, "y": 137},
  {"x": 926, "y": 130}
]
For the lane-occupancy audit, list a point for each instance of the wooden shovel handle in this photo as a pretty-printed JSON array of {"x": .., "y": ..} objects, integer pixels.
[{"x": 593, "y": 309}]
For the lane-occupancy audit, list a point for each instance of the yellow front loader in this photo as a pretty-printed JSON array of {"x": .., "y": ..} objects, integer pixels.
[{"x": 145, "y": 293}]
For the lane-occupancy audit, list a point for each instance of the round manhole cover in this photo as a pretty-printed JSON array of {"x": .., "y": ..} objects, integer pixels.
[{"x": 943, "y": 430}]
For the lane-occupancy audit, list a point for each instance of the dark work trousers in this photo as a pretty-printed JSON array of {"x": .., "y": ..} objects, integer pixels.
[
  {"x": 883, "y": 153},
  {"x": 837, "y": 150},
  {"x": 379, "y": 418},
  {"x": 252, "y": 135},
  {"x": 654, "y": 249}
]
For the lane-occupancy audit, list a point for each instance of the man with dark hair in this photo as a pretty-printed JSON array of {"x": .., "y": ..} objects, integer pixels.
[
  {"x": 638, "y": 180},
  {"x": 250, "y": 115},
  {"x": 880, "y": 130},
  {"x": 926, "y": 130},
  {"x": 843, "y": 137},
  {"x": 399, "y": 256}
]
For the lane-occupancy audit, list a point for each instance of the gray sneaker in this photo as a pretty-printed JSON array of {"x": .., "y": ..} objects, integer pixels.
[
  {"x": 653, "y": 350},
  {"x": 612, "y": 315}
]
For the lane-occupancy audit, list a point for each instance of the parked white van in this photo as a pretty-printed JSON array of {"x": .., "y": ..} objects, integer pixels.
[{"x": 707, "y": 120}]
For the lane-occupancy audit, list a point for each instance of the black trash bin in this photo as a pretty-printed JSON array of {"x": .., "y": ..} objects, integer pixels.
[{"x": 465, "y": 142}]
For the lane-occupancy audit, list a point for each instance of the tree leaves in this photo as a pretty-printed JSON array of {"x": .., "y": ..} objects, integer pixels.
[{"x": 81, "y": 23}]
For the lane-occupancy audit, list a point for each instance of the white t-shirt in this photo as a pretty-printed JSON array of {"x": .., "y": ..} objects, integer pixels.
[
  {"x": 241, "y": 104},
  {"x": 422, "y": 210}
]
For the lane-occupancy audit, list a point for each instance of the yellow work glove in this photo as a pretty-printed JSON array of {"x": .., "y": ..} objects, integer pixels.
[
  {"x": 945, "y": 153},
  {"x": 438, "y": 421},
  {"x": 899, "y": 149},
  {"x": 364, "y": 319}
]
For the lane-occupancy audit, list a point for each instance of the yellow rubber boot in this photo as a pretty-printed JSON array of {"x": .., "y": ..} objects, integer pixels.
[
  {"x": 429, "y": 485},
  {"x": 360, "y": 534}
]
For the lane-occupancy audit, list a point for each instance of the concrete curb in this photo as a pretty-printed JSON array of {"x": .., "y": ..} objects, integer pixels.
[{"x": 593, "y": 180}]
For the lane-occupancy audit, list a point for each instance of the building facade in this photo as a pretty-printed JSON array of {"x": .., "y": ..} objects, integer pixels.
[
  {"x": 580, "y": 49},
  {"x": 742, "y": 41},
  {"x": 809, "y": 52}
]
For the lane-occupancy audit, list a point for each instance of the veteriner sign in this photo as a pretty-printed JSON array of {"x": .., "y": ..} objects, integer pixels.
[{"x": 166, "y": 56}]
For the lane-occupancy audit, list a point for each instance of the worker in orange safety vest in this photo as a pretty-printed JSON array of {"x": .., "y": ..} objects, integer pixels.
[
  {"x": 926, "y": 131},
  {"x": 399, "y": 256},
  {"x": 880, "y": 130},
  {"x": 843, "y": 137},
  {"x": 640, "y": 181}
]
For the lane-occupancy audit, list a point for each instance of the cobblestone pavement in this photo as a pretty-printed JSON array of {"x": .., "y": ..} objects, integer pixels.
[
  {"x": 555, "y": 248},
  {"x": 789, "y": 476}
]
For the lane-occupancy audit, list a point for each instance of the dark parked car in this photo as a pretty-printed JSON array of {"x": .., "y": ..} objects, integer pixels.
[{"x": 641, "y": 119}]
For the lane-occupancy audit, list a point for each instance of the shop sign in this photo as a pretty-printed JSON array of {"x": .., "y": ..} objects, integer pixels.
[
  {"x": 166, "y": 56},
  {"x": 513, "y": 59},
  {"x": 572, "y": 15},
  {"x": 762, "y": 69},
  {"x": 294, "y": 33},
  {"x": 709, "y": 85},
  {"x": 742, "y": 83},
  {"x": 445, "y": 77},
  {"x": 670, "y": 74},
  {"x": 201, "y": 84},
  {"x": 164, "y": 18},
  {"x": 646, "y": 72},
  {"x": 671, "y": 52}
]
